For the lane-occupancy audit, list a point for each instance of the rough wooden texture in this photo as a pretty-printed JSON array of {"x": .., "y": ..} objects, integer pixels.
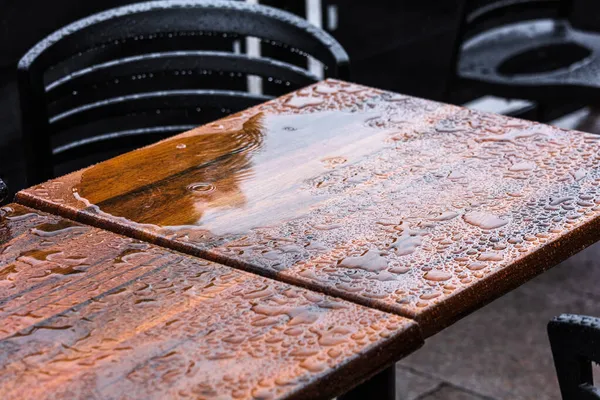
[
  {"x": 87, "y": 314},
  {"x": 424, "y": 209}
]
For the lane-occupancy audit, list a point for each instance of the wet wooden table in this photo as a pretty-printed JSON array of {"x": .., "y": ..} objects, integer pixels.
[
  {"x": 409, "y": 206},
  {"x": 86, "y": 313}
]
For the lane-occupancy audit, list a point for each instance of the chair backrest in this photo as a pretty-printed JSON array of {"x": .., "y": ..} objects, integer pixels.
[{"x": 156, "y": 68}]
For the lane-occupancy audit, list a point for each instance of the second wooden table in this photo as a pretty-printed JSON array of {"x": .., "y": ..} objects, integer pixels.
[{"x": 88, "y": 314}]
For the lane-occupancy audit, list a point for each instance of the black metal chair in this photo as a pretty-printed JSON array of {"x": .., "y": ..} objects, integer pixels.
[
  {"x": 3, "y": 191},
  {"x": 575, "y": 343},
  {"x": 555, "y": 57},
  {"x": 133, "y": 74}
]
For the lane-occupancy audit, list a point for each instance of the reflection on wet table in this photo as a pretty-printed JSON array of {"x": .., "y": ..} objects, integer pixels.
[
  {"x": 85, "y": 313},
  {"x": 407, "y": 205}
]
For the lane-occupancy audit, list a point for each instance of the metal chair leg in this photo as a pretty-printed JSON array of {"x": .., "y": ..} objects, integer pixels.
[{"x": 382, "y": 387}]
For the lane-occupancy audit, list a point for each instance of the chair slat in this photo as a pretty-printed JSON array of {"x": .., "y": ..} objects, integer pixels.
[{"x": 156, "y": 101}]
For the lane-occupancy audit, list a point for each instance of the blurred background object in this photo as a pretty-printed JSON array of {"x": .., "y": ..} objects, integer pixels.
[{"x": 3, "y": 191}]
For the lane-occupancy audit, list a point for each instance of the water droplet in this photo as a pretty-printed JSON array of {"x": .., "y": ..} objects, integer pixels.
[
  {"x": 445, "y": 216},
  {"x": 490, "y": 256},
  {"x": 523, "y": 166},
  {"x": 371, "y": 261},
  {"x": 476, "y": 266},
  {"x": 484, "y": 220},
  {"x": 313, "y": 365},
  {"x": 201, "y": 187},
  {"x": 326, "y": 227},
  {"x": 430, "y": 295},
  {"x": 438, "y": 276},
  {"x": 579, "y": 174},
  {"x": 456, "y": 175},
  {"x": 560, "y": 200},
  {"x": 406, "y": 244}
]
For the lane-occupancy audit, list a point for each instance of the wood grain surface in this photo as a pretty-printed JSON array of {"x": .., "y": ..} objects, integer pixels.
[
  {"x": 411, "y": 206},
  {"x": 88, "y": 314}
]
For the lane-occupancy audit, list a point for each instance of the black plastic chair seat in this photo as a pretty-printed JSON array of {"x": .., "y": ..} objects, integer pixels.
[{"x": 528, "y": 56}]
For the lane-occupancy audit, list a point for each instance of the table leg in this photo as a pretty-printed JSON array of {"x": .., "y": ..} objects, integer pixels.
[{"x": 382, "y": 387}]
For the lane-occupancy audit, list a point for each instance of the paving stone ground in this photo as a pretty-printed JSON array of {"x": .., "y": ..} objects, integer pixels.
[{"x": 501, "y": 351}]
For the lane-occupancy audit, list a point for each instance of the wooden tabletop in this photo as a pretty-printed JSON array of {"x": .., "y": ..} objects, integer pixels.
[
  {"x": 85, "y": 313},
  {"x": 423, "y": 209}
]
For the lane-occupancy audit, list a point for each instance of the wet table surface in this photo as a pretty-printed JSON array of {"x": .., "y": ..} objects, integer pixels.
[
  {"x": 410, "y": 206},
  {"x": 86, "y": 313}
]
